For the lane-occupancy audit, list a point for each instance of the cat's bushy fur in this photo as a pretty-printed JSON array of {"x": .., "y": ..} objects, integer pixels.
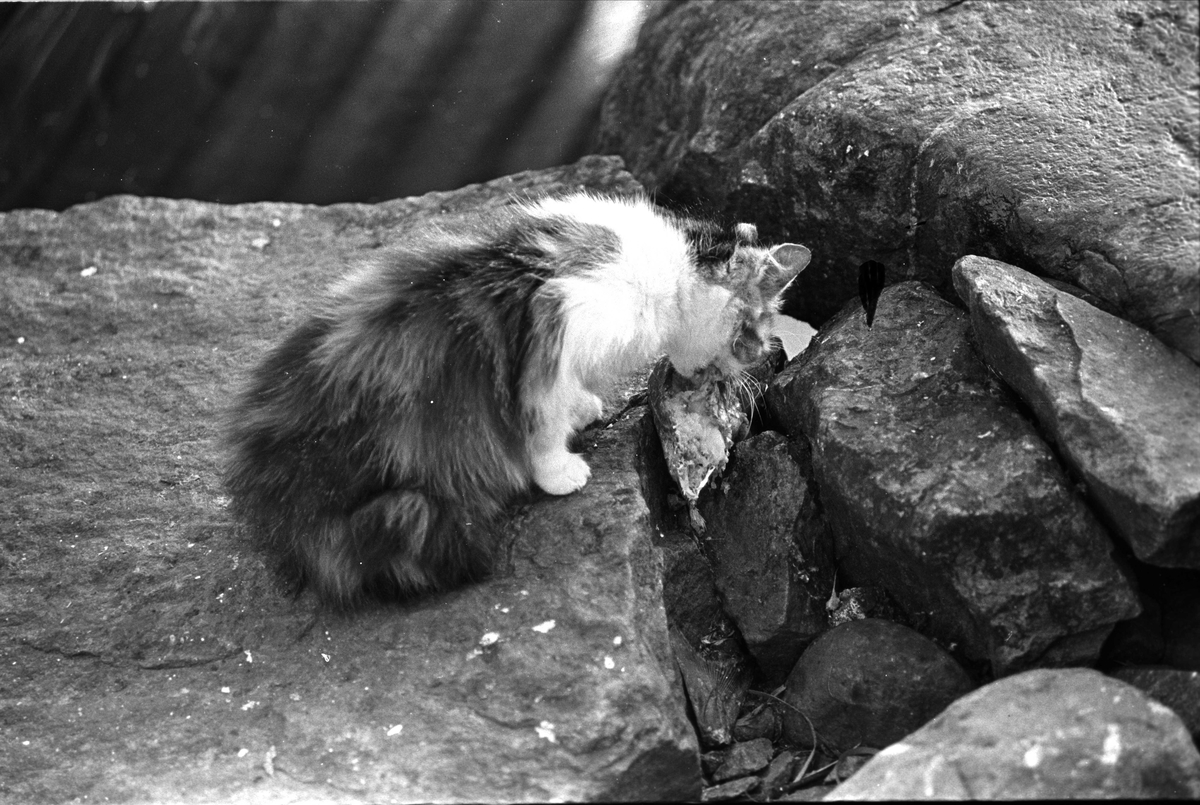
[{"x": 373, "y": 448}]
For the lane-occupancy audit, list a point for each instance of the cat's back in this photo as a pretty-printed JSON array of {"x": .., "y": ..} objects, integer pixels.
[{"x": 400, "y": 371}]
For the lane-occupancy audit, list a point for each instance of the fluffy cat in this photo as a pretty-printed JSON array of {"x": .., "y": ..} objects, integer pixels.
[{"x": 375, "y": 445}]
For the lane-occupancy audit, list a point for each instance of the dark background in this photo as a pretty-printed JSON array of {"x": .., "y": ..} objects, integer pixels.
[{"x": 315, "y": 102}]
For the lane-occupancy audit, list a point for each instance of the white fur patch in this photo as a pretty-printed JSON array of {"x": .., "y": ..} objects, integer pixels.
[{"x": 618, "y": 316}]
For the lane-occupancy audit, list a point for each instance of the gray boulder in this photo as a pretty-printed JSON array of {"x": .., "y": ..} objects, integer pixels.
[
  {"x": 938, "y": 490},
  {"x": 771, "y": 564},
  {"x": 868, "y": 682},
  {"x": 689, "y": 591},
  {"x": 1044, "y": 734},
  {"x": 1062, "y": 137},
  {"x": 1122, "y": 409},
  {"x": 147, "y": 651}
]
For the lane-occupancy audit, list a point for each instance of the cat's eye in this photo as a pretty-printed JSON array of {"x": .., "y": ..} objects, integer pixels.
[{"x": 748, "y": 346}]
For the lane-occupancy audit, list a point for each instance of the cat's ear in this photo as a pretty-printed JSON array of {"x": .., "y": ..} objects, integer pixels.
[{"x": 787, "y": 261}]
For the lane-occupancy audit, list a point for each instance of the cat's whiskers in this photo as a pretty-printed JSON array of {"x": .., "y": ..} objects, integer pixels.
[{"x": 748, "y": 389}]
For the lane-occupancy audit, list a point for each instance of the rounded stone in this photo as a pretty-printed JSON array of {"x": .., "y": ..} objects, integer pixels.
[
  {"x": 869, "y": 682},
  {"x": 1047, "y": 734}
]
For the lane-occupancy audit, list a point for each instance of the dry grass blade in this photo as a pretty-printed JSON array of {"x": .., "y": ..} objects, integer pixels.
[
  {"x": 802, "y": 776},
  {"x": 814, "y": 776}
]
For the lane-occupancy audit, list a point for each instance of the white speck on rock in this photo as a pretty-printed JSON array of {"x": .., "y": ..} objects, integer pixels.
[
  {"x": 545, "y": 626},
  {"x": 1112, "y": 745},
  {"x": 546, "y": 730},
  {"x": 1159, "y": 709},
  {"x": 895, "y": 749}
]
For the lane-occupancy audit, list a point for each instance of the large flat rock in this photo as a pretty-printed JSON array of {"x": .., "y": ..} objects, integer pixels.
[
  {"x": 1122, "y": 408},
  {"x": 148, "y": 653},
  {"x": 1061, "y": 137}
]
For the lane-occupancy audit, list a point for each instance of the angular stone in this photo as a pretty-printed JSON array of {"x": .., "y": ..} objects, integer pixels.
[
  {"x": 690, "y": 595},
  {"x": 938, "y": 490},
  {"x": 1122, "y": 408},
  {"x": 731, "y": 790},
  {"x": 773, "y": 573},
  {"x": 1045, "y": 734},
  {"x": 868, "y": 682},
  {"x": 761, "y": 722},
  {"x": 744, "y": 758},
  {"x": 778, "y": 776},
  {"x": 1060, "y": 135},
  {"x": 149, "y": 654},
  {"x": 715, "y": 687}
]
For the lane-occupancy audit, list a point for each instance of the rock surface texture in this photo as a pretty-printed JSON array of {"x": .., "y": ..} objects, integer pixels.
[
  {"x": 1061, "y": 137},
  {"x": 1045, "y": 734},
  {"x": 1122, "y": 408},
  {"x": 938, "y": 490},
  {"x": 147, "y": 652}
]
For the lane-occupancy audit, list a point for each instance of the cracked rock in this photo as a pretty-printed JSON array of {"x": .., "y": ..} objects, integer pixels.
[{"x": 1122, "y": 408}]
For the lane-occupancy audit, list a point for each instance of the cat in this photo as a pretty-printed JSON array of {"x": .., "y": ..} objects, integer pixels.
[{"x": 375, "y": 446}]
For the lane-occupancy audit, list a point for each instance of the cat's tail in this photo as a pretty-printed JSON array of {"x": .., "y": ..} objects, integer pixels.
[{"x": 398, "y": 544}]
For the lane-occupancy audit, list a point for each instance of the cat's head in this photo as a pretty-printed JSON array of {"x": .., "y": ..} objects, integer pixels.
[{"x": 737, "y": 299}]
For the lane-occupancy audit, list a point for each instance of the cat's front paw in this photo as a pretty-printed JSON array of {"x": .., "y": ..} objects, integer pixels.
[{"x": 561, "y": 474}]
